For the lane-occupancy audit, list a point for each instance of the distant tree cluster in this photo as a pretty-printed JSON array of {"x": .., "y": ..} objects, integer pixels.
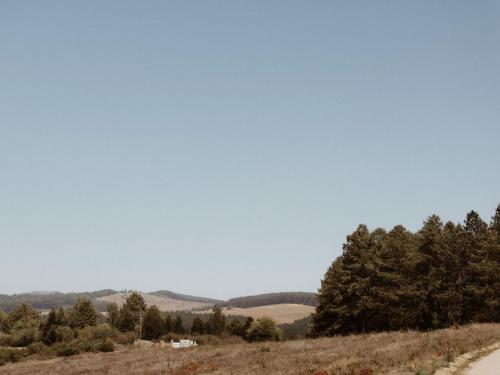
[
  {"x": 62, "y": 332},
  {"x": 302, "y": 298},
  {"x": 51, "y": 300},
  {"x": 442, "y": 275},
  {"x": 152, "y": 324}
]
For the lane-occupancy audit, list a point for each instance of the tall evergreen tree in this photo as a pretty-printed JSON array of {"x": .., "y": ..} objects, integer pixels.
[
  {"x": 154, "y": 325},
  {"x": 476, "y": 238},
  {"x": 198, "y": 327}
]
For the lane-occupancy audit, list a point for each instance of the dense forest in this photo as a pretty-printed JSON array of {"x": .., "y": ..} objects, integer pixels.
[
  {"x": 442, "y": 275},
  {"x": 302, "y": 298}
]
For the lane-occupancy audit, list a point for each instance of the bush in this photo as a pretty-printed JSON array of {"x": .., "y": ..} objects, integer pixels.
[
  {"x": 65, "y": 349},
  {"x": 5, "y": 340},
  {"x": 25, "y": 337},
  {"x": 64, "y": 334},
  {"x": 36, "y": 347},
  {"x": 125, "y": 338},
  {"x": 105, "y": 346},
  {"x": 102, "y": 331},
  {"x": 264, "y": 329},
  {"x": 10, "y": 355}
]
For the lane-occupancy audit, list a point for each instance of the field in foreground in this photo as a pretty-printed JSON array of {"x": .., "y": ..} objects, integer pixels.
[
  {"x": 280, "y": 313},
  {"x": 382, "y": 353}
]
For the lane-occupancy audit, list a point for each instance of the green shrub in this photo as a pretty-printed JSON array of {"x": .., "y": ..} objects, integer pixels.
[
  {"x": 84, "y": 345},
  {"x": 36, "y": 347},
  {"x": 23, "y": 337},
  {"x": 5, "y": 340},
  {"x": 64, "y": 334},
  {"x": 105, "y": 345},
  {"x": 102, "y": 331},
  {"x": 10, "y": 355},
  {"x": 125, "y": 338},
  {"x": 65, "y": 349},
  {"x": 264, "y": 329}
]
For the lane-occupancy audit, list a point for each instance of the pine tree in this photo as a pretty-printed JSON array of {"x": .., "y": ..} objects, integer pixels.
[
  {"x": 82, "y": 314},
  {"x": 154, "y": 326},
  {"x": 216, "y": 322},
  {"x": 169, "y": 326},
  {"x": 177, "y": 327},
  {"x": 475, "y": 294},
  {"x": 198, "y": 327},
  {"x": 113, "y": 313},
  {"x": 345, "y": 301}
]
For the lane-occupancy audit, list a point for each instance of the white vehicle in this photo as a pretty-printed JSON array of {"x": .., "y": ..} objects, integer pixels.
[{"x": 183, "y": 344}]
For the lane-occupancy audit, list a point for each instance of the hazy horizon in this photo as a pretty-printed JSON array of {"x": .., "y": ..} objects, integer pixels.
[{"x": 227, "y": 149}]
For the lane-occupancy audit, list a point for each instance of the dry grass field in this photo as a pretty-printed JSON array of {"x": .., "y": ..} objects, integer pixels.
[
  {"x": 281, "y": 313},
  {"x": 396, "y": 353},
  {"x": 164, "y": 304}
]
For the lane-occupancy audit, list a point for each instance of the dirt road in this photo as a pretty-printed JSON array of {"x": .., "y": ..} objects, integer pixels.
[{"x": 488, "y": 365}]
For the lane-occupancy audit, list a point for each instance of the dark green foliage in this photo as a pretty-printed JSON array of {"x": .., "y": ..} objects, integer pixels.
[
  {"x": 216, "y": 322},
  {"x": 169, "y": 324},
  {"x": 177, "y": 325},
  {"x": 66, "y": 349},
  {"x": 440, "y": 276},
  {"x": 21, "y": 317},
  {"x": 236, "y": 328},
  {"x": 296, "y": 330},
  {"x": 263, "y": 329},
  {"x": 302, "y": 298},
  {"x": 198, "y": 327},
  {"x": 126, "y": 320},
  {"x": 153, "y": 323},
  {"x": 55, "y": 318},
  {"x": 113, "y": 313},
  {"x": 10, "y": 355},
  {"x": 105, "y": 346},
  {"x": 135, "y": 302},
  {"x": 82, "y": 314},
  {"x": 47, "y": 301},
  {"x": 131, "y": 312}
]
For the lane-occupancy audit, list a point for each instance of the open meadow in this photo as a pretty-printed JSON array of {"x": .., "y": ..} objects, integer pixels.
[
  {"x": 395, "y": 353},
  {"x": 280, "y": 313}
]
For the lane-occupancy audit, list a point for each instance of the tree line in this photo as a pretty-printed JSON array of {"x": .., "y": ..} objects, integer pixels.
[
  {"x": 81, "y": 328},
  {"x": 440, "y": 276},
  {"x": 302, "y": 298}
]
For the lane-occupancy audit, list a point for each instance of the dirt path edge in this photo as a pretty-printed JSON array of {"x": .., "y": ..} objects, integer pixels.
[{"x": 462, "y": 362}]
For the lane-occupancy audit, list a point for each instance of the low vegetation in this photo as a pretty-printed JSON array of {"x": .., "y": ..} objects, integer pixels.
[
  {"x": 80, "y": 329},
  {"x": 402, "y": 353}
]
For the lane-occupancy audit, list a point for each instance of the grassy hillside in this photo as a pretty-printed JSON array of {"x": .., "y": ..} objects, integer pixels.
[
  {"x": 403, "y": 353},
  {"x": 185, "y": 297},
  {"x": 164, "y": 304},
  {"x": 301, "y": 298},
  {"x": 280, "y": 313},
  {"x": 50, "y": 300}
]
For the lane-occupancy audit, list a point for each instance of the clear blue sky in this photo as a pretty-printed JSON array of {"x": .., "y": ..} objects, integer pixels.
[{"x": 225, "y": 148}]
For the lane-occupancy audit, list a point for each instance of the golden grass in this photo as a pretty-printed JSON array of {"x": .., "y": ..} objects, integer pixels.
[
  {"x": 396, "y": 353},
  {"x": 280, "y": 313}
]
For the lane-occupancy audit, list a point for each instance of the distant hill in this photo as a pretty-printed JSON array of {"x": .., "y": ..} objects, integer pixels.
[
  {"x": 166, "y": 300},
  {"x": 300, "y": 298},
  {"x": 184, "y": 297},
  {"x": 50, "y": 300},
  {"x": 163, "y": 303}
]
